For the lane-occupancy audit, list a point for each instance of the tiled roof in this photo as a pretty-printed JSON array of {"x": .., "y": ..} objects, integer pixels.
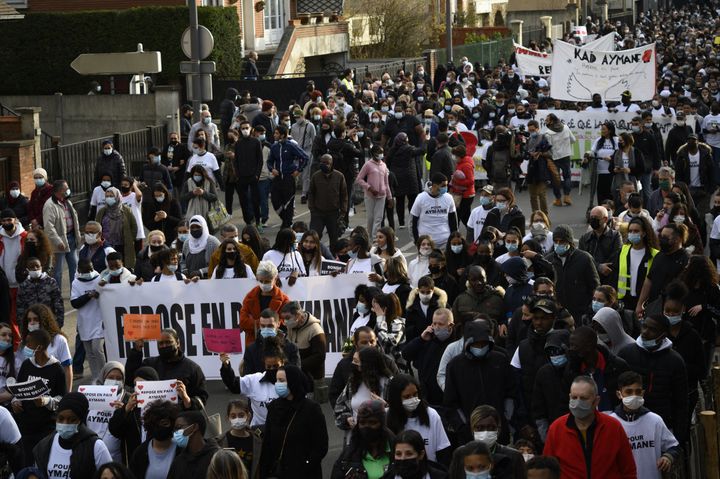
[{"x": 318, "y": 6}]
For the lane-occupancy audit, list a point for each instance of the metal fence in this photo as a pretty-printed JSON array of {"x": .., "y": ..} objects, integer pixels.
[
  {"x": 626, "y": 17},
  {"x": 75, "y": 162},
  {"x": 376, "y": 67},
  {"x": 482, "y": 52},
  {"x": 533, "y": 34}
]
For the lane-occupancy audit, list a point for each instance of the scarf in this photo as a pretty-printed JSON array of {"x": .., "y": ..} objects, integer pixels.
[
  {"x": 198, "y": 245},
  {"x": 114, "y": 216}
]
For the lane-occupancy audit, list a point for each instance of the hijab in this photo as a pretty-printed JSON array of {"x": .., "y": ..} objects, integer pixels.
[
  {"x": 198, "y": 245},
  {"x": 114, "y": 214}
]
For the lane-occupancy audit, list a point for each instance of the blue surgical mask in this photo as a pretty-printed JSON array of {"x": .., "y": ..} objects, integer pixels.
[
  {"x": 5, "y": 345},
  {"x": 183, "y": 237},
  {"x": 40, "y": 182},
  {"x": 443, "y": 190},
  {"x": 116, "y": 272},
  {"x": 596, "y": 306},
  {"x": 456, "y": 248},
  {"x": 110, "y": 201},
  {"x": 281, "y": 389},
  {"x": 561, "y": 249},
  {"x": 268, "y": 332},
  {"x": 197, "y": 178},
  {"x": 261, "y": 137},
  {"x": 511, "y": 247},
  {"x": 352, "y": 254},
  {"x": 558, "y": 361},
  {"x": 180, "y": 439},
  {"x": 172, "y": 267},
  {"x": 66, "y": 431},
  {"x": 207, "y": 120},
  {"x": 361, "y": 308},
  {"x": 634, "y": 238},
  {"x": 501, "y": 205},
  {"x": 28, "y": 352},
  {"x": 648, "y": 343},
  {"x": 155, "y": 160},
  {"x": 479, "y": 352},
  {"x": 673, "y": 319},
  {"x": 485, "y": 200},
  {"x": 477, "y": 475}
]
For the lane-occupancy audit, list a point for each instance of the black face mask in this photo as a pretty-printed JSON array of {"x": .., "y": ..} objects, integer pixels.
[
  {"x": 407, "y": 468},
  {"x": 155, "y": 248},
  {"x": 483, "y": 258},
  {"x": 196, "y": 233},
  {"x": 174, "y": 143},
  {"x": 167, "y": 352},
  {"x": 271, "y": 375},
  {"x": 665, "y": 244},
  {"x": 161, "y": 433},
  {"x": 232, "y": 255},
  {"x": 8, "y": 226},
  {"x": 371, "y": 434},
  {"x": 125, "y": 189},
  {"x": 595, "y": 223},
  {"x": 435, "y": 269},
  {"x": 344, "y": 258}
]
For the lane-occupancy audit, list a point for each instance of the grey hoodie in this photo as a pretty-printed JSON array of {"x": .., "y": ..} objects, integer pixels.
[{"x": 611, "y": 322}]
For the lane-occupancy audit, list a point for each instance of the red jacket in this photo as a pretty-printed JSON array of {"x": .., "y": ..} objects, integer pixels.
[
  {"x": 610, "y": 455},
  {"x": 38, "y": 197},
  {"x": 463, "y": 180},
  {"x": 250, "y": 312}
]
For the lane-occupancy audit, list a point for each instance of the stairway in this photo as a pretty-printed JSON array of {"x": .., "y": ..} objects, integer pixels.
[{"x": 263, "y": 62}]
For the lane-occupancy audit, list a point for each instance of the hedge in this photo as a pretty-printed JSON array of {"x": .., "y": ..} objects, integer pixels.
[{"x": 36, "y": 52}]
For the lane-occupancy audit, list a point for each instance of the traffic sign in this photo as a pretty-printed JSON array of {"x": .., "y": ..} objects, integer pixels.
[
  {"x": 206, "y": 42},
  {"x": 200, "y": 67},
  {"x": 117, "y": 63}
]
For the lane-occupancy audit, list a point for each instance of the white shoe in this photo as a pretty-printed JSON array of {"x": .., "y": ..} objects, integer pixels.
[
  {"x": 402, "y": 227},
  {"x": 351, "y": 213}
]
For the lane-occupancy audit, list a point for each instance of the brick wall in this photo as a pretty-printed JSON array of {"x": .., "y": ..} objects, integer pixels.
[
  {"x": 21, "y": 155},
  {"x": 10, "y": 128},
  {"x": 259, "y": 22}
]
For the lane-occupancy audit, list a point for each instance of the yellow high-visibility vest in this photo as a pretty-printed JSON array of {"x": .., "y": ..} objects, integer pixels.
[{"x": 623, "y": 285}]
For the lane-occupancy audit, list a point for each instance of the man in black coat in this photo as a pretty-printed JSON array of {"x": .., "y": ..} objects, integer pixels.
[
  {"x": 248, "y": 167},
  {"x": 442, "y": 160},
  {"x": 426, "y": 351},
  {"x": 575, "y": 274},
  {"x": 480, "y": 375},
  {"x": 602, "y": 242},
  {"x": 664, "y": 374},
  {"x": 346, "y": 156},
  {"x": 227, "y": 111},
  {"x": 109, "y": 163},
  {"x": 550, "y": 399}
]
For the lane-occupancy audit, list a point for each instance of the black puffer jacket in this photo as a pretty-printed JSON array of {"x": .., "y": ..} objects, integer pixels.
[
  {"x": 401, "y": 161},
  {"x": 112, "y": 165},
  {"x": 665, "y": 381}
]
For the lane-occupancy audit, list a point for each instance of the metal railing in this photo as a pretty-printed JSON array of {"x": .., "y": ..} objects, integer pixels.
[
  {"x": 376, "y": 67},
  {"x": 536, "y": 34},
  {"x": 5, "y": 111},
  {"x": 75, "y": 162},
  {"x": 482, "y": 52}
]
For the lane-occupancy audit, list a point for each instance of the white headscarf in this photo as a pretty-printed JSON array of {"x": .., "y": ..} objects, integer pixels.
[{"x": 199, "y": 244}]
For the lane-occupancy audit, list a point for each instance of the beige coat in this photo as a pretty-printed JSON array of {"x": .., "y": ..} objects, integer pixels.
[{"x": 55, "y": 226}]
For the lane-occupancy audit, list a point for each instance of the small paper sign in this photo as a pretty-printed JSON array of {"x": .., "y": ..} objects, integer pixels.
[
  {"x": 100, "y": 398},
  {"x": 141, "y": 326},
  {"x": 328, "y": 267},
  {"x": 148, "y": 391},
  {"x": 222, "y": 340},
  {"x": 27, "y": 390}
]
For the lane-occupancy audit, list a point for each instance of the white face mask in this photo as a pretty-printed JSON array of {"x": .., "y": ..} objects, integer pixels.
[
  {"x": 487, "y": 437},
  {"x": 633, "y": 402},
  {"x": 91, "y": 238},
  {"x": 35, "y": 274},
  {"x": 115, "y": 382},
  {"x": 425, "y": 298},
  {"x": 425, "y": 251},
  {"x": 266, "y": 287},
  {"x": 411, "y": 404},
  {"x": 456, "y": 248},
  {"x": 238, "y": 423}
]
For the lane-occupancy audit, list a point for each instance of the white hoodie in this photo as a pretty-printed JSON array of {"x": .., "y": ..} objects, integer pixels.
[{"x": 10, "y": 252}]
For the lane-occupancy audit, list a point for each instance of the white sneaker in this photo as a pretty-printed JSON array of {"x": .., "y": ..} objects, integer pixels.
[
  {"x": 402, "y": 227},
  {"x": 351, "y": 213}
]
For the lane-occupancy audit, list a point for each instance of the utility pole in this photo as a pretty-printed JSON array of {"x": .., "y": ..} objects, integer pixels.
[
  {"x": 195, "y": 57},
  {"x": 448, "y": 30}
]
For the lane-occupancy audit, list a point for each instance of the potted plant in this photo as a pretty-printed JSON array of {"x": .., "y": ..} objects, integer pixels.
[{"x": 259, "y": 6}]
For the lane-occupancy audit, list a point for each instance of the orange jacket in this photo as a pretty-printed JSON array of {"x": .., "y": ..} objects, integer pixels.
[{"x": 250, "y": 312}]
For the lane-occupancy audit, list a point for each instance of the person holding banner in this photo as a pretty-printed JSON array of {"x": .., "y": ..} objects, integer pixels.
[
  {"x": 172, "y": 364},
  {"x": 285, "y": 257},
  {"x": 36, "y": 417},
  {"x": 310, "y": 250},
  {"x": 112, "y": 374},
  {"x": 269, "y": 328},
  {"x": 266, "y": 295}
]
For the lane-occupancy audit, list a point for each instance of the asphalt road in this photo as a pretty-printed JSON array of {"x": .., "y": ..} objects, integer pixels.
[{"x": 573, "y": 215}]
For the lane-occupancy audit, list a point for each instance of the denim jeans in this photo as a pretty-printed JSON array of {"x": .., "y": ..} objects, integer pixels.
[
  {"x": 563, "y": 165},
  {"x": 264, "y": 188},
  {"x": 71, "y": 257}
]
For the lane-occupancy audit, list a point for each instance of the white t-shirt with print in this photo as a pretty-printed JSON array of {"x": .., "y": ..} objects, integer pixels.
[
  {"x": 98, "y": 421},
  {"x": 59, "y": 460},
  {"x": 208, "y": 161},
  {"x": 260, "y": 394},
  {"x": 136, "y": 207},
  {"x": 98, "y": 198},
  {"x": 432, "y": 214},
  {"x": 89, "y": 319},
  {"x": 433, "y": 435},
  {"x": 286, "y": 263},
  {"x": 694, "y": 161},
  {"x": 58, "y": 349},
  {"x": 477, "y": 220}
]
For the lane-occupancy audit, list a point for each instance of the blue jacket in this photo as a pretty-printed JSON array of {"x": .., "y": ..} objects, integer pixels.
[{"x": 286, "y": 157}]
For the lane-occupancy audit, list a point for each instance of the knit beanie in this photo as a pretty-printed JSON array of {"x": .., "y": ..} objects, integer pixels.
[{"x": 77, "y": 403}]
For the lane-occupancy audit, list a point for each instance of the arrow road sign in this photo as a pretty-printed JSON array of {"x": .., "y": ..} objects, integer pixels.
[
  {"x": 200, "y": 67},
  {"x": 117, "y": 63}
]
